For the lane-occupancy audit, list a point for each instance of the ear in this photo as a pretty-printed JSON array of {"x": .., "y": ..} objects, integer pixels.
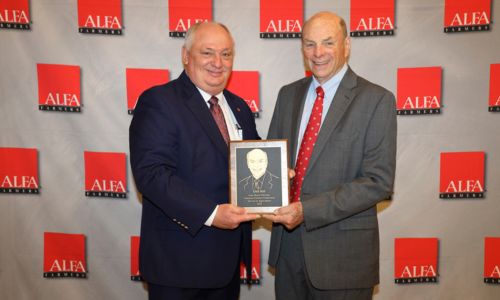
[
  {"x": 184, "y": 56},
  {"x": 347, "y": 47}
]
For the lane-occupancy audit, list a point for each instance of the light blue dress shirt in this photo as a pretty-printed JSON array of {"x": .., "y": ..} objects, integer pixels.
[{"x": 330, "y": 88}]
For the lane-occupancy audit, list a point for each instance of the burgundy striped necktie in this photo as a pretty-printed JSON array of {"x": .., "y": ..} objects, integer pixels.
[{"x": 216, "y": 111}]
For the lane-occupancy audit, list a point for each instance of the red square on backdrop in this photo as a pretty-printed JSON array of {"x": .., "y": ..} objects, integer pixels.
[
  {"x": 139, "y": 80},
  {"x": 19, "y": 171},
  {"x": 494, "y": 101},
  {"x": 372, "y": 18},
  {"x": 281, "y": 18},
  {"x": 415, "y": 260},
  {"x": 59, "y": 88},
  {"x": 100, "y": 17},
  {"x": 255, "y": 278},
  {"x": 135, "y": 274},
  {"x": 461, "y": 175},
  {"x": 14, "y": 14},
  {"x": 419, "y": 91},
  {"x": 492, "y": 260},
  {"x": 64, "y": 255},
  {"x": 246, "y": 85},
  {"x": 467, "y": 15},
  {"x": 182, "y": 14},
  {"x": 105, "y": 174}
]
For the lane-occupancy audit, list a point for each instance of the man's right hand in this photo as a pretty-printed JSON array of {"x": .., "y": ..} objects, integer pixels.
[{"x": 229, "y": 216}]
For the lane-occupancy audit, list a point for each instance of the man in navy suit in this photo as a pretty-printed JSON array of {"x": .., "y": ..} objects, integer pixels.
[{"x": 192, "y": 239}]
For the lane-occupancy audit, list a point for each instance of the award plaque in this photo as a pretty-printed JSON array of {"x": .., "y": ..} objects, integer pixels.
[{"x": 258, "y": 172}]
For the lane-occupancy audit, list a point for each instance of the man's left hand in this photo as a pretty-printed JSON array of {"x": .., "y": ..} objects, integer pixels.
[{"x": 290, "y": 216}]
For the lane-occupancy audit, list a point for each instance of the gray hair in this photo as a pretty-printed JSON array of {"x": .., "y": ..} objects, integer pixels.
[
  {"x": 190, "y": 34},
  {"x": 343, "y": 27}
]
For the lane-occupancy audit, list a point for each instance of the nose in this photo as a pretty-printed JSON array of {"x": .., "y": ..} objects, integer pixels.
[
  {"x": 318, "y": 50},
  {"x": 217, "y": 60}
]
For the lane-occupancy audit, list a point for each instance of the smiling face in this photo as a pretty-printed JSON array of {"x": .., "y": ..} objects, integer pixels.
[
  {"x": 325, "y": 45},
  {"x": 257, "y": 162},
  {"x": 208, "y": 57}
]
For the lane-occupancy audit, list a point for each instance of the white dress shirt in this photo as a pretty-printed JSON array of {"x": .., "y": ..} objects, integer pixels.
[{"x": 233, "y": 128}]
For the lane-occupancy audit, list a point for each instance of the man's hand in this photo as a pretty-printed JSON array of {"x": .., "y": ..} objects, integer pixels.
[
  {"x": 290, "y": 216},
  {"x": 229, "y": 216}
]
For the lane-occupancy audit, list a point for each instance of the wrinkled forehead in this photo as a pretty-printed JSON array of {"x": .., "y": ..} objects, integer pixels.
[
  {"x": 324, "y": 26},
  {"x": 211, "y": 35}
]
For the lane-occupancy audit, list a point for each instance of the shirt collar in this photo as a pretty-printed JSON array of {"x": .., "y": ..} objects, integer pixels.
[
  {"x": 332, "y": 82},
  {"x": 206, "y": 96}
]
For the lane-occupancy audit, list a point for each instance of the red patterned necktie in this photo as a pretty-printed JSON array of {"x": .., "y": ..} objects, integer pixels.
[
  {"x": 307, "y": 145},
  {"x": 219, "y": 117}
]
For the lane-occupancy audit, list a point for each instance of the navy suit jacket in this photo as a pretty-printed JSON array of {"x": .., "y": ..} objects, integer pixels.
[{"x": 180, "y": 165}]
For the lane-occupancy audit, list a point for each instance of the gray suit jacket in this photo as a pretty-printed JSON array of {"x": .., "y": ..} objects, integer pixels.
[{"x": 351, "y": 169}]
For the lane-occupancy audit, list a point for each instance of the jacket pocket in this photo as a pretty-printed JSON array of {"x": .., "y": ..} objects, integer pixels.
[{"x": 359, "y": 223}]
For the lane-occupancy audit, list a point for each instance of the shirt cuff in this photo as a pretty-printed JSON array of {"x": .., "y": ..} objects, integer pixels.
[{"x": 210, "y": 219}]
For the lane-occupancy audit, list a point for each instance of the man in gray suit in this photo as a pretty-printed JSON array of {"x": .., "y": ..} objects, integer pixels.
[{"x": 325, "y": 244}]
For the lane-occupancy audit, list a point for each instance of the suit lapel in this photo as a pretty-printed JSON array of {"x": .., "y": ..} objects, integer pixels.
[
  {"x": 198, "y": 106},
  {"x": 341, "y": 102},
  {"x": 237, "y": 112},
  {"x": 298, "y": 107}
]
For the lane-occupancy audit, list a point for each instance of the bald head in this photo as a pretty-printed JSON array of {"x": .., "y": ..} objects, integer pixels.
[
  {"x": 326, "y": 17},
  {"x": 325, "y": 45},
  {"x": 190, "y": 34}
]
